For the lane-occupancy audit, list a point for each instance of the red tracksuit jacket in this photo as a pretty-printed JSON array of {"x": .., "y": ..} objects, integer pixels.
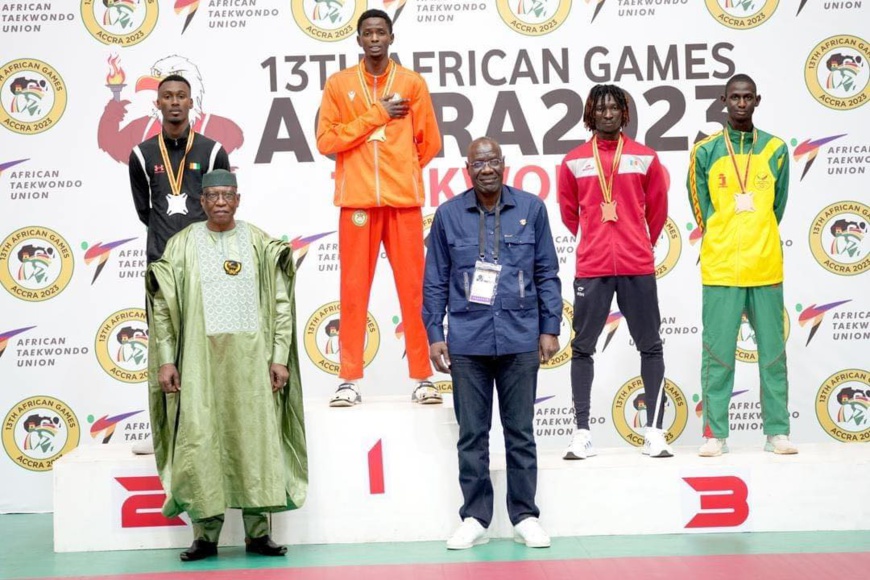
[{"x": 640, "y": 188}]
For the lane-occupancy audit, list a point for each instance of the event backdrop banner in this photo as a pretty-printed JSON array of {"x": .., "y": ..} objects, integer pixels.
[{"x": 77, "y": 80}]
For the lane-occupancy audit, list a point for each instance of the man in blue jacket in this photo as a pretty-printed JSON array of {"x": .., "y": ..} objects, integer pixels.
[{"x": 492, "y": 267}]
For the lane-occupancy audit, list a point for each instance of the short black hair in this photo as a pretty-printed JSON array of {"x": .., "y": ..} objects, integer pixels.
[
  {"x": 374, "y": 13},
  {"x": 171, "y": 78},
  {"x": 741, "y": 78},
  {"x": 597, "y": 93}
]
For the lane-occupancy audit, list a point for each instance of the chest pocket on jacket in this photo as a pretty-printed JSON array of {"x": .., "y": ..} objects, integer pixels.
[
  {"x": 519, "y": 250},
  {"x": 463, "y": 255},
  {"x": 463, "y": 252}
]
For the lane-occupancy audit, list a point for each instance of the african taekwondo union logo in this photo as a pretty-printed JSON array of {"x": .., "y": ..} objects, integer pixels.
[
  {"x": 742, "y": 14},
  {"x": 32, "y": 96},
  {"x": 36, "y": 263},
  {"x": 99, "y": 254},
  {"x": 814, "y": 314},
  {"x": 39, "y": 430},
  {"x": 328, "y": 20},
  {"x": 533, "y": 17},
  {"x": 104, "y": 427},
  {"x": 837, "y": 73},
  {"x": 810, "y": 149},
  {"x": 121, "y": 22}
]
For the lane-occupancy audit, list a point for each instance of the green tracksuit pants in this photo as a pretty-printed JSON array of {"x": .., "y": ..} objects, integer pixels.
[
  {"x": 722, "y": 311},
  {"x": 209, "y": 529}
]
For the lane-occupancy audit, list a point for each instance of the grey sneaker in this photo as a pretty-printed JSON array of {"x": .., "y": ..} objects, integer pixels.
[
  {"x": 426, "y": 393},
  {"x": 346, "y": 395}
]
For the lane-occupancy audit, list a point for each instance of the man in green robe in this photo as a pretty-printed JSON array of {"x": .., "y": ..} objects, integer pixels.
[{"x": 225, "y": 393}]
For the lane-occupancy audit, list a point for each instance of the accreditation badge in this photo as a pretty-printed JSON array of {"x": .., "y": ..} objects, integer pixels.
[
  {"x": 176, "y": 204},
  {"x": 484, "y": 283}
]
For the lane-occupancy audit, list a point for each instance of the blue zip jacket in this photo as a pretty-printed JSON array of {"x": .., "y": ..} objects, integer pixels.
[{"x": 528, "y": 299}]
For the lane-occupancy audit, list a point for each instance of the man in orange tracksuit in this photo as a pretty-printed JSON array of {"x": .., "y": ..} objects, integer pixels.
[{"x": 378, "y": 119}]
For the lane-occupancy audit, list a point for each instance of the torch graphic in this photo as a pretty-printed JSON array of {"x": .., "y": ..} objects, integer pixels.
[{"x": 115, "y": 78}]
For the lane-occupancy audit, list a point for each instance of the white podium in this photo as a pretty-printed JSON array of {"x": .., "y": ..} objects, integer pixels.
[{"x": 386, "y": 471}]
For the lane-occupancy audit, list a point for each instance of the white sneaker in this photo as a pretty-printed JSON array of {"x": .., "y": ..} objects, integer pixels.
[
  {"x": 655, "y": 444},
  {"x": 144, "y": 447},
  {"x": 780, "y": 445},
  {"x": 346, "y": 395},
  {"x": 581, "y": 445},
  {"x": 469, "y": 534},
  {"x": 713, "y": 447},
  {"x": 530, "y": 533}
]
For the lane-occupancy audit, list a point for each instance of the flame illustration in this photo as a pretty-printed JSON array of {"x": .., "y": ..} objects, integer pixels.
[{"x": 116, "y": 76}]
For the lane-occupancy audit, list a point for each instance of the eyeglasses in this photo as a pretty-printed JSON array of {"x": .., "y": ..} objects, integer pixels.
[
  {"x": 228, "y": 196},
  {"x": 494, "y": 163}
]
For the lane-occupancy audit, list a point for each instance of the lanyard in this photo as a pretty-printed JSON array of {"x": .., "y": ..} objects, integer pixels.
[
  {"x": 741, "y": 181},
  {"x": 370, "y": 99},
  {"x": 175, "y": 180},
  {"x": 482, "y": 238},
  {"x": 607, "y": 184}
]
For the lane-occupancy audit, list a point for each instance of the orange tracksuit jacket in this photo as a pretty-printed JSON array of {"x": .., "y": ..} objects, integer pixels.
[{"x": 376, "y": 174}]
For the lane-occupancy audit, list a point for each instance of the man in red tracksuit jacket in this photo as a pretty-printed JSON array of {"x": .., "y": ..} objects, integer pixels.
[{"x": 613, "y": 195}]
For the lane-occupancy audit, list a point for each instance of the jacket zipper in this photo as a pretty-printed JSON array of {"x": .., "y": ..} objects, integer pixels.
[
  {"x": 467, "y": 287},
  {"x": 739, "y": 228},
  {"x": 377, "y": 170},
  {"x": 522, "y": 282}
]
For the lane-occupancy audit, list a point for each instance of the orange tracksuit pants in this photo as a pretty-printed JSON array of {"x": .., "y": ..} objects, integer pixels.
[{"x": 360, "y": 233}]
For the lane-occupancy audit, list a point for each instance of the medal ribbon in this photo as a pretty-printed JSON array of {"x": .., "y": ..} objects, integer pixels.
[
  {"x": 370, "y": 99},
  {"x": 745, "y": 179},
  {"x": 607, "y": 183},
  {"x": 175, "y": 179}
]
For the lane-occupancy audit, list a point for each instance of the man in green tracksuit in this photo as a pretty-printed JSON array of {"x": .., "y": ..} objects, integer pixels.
[{"x": 738, "y": 186}]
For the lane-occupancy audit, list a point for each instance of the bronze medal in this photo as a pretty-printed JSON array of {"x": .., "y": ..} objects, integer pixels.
[
  {"x": 608, "y": 206},
  {"x": 608, "y": 211}
]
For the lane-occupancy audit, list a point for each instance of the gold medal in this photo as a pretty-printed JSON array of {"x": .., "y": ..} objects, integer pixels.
[
  {"x": 232, "y": 268},
  {"x": 379, "y": 134},
  {"x": 608, "y": 206}
]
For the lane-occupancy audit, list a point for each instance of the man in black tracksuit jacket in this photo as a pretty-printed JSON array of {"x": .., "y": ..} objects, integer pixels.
[{"x": 163, "y": 210}]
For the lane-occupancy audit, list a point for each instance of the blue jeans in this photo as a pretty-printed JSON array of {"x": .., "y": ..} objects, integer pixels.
[{"x": 516, "y": 380}]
